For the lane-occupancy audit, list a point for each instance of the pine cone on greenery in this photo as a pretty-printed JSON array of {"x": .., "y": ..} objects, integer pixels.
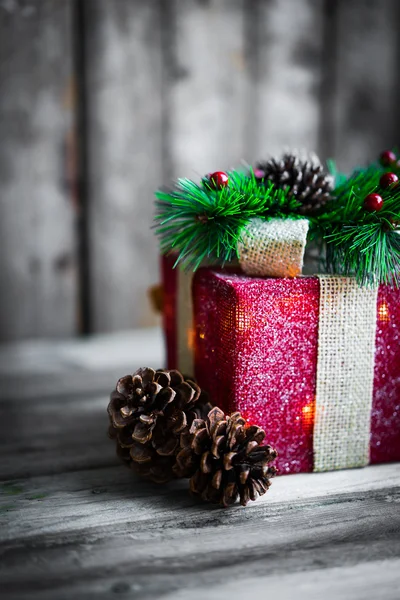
[
  {"x": 148, "y": 411},
  {"x": 303, "y": 177},
  {"x": 224, "y": 459}
]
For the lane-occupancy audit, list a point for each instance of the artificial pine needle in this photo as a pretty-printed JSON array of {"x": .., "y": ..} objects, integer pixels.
[{"x": 200, "y": 222}]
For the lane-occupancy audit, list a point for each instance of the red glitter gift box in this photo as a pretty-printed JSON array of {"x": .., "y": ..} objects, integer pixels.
[{"x": 256, "y": 350}]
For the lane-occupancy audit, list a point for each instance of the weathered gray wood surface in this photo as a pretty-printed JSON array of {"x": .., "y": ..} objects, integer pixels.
[
  {"x": 366, "y": 93},
  {"x": 37, "y": 206},
  {"x": 171, "y": 88},
  {"x": 125, "y": 164},
  {"x": 74, "y": 523},
  {"x": 288, "y": 54},
  {"x": 207, "y": 85}
]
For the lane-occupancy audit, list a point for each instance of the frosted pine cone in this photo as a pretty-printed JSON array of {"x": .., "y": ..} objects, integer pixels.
[
  {"x": 224, "y": 459},
  {"x": 148, "y": 410},
  {"x": 303, "y": 177}
]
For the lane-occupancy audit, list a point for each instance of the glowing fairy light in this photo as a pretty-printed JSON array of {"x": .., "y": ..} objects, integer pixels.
[
  {"x": 383, "y": 312},
  {"x": 308, "y": 414},
  {"x": 243, "y": 318}
]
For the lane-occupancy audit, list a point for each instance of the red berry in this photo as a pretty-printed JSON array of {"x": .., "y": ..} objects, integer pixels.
[
  {"x": 373, "y": 202},
  {"x": 387, "y": 158},
  {"x": 218, "y": 180},
  {"x": 387, "y": 180}
]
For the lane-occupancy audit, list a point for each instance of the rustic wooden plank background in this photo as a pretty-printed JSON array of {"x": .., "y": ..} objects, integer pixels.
[
  {"x": 162, "y": 88},
  {"x": 125, "y": 158},
  {"x": 38, "y": 208}
]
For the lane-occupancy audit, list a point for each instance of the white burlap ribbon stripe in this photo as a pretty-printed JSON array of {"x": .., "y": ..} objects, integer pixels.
[
  {"x": 273, "y": 248},
  {"x": 345, "y": 373}
]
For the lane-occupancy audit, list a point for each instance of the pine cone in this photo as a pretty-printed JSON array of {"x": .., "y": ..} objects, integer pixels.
[
  {"x": 148, "y": 411},
  {"x": 224, "y": 459},
  {"x": 303, "y": 177}
]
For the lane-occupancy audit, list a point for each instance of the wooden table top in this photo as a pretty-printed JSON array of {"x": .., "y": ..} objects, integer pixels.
[{"x": 74, "y": 523}]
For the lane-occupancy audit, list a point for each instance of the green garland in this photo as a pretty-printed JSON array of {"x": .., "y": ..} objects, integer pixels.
[
  {"x": 203, "y": 223},
  {"x": 358, "y": 242},
  {"x": 199, "y": 222}
]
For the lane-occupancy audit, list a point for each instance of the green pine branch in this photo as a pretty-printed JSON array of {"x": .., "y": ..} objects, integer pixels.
[
  {"x": 201, "y": 223},
  {"x": 358, "y": 242},
  {"x": 370, "y": 252}
]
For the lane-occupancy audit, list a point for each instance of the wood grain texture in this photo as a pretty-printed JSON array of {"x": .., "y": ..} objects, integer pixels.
[
  {"x": 44, "y": 369},
  {"x": 207, "y": 91},
  {"x": 100, "y": 493},
  {"x": 366, "y": 98},
  {"x": 75, "y": 523},
  {"x": 378, "y": 579},
  {"x": 133, "y": 536},
  {"x": 171, "y": 88},
  {"x": 54, "y": 437},
  {"x": 69, "y": 433},
  {"x": 287, "y": 75},
  {"x": 124, "y": 128},
  {"x": 37, "y": 208}
]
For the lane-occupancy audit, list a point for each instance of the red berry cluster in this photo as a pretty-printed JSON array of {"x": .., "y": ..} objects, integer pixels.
[{"x": 374, "y": 202}]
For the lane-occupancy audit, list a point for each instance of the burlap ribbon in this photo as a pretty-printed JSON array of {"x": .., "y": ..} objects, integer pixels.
[
  {"x": 345, "y": 374},
  {"x": 273, "y": 248}
]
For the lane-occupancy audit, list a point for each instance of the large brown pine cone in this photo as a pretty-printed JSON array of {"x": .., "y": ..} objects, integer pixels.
[
  {"x": 148, "y": 411},
  {"x": 303, "y": 177},
  {"x": 224, "y": 459}
]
